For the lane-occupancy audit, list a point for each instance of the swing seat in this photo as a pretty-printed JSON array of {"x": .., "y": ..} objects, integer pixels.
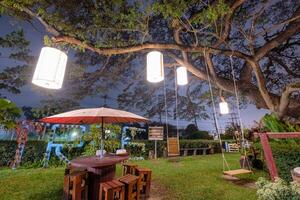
[
  {"x": 173, "y": 147},
  {"x": 237, "y": 172}
]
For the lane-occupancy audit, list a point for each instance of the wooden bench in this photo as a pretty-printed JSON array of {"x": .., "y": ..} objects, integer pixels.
[{"x": 204, "y": 151}]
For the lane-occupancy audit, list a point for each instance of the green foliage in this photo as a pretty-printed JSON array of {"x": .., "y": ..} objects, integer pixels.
[
  {"x": 174, "y": 9},
  {"x": 279, "y": 190},
  {"x": 199, "y": 135},
  {"x": 162, "y": 146},
  {"x": 111, "y": 142},
  {"x": 34, "y": 153},
  {"x": 192, "y": 132},
  {"x": 286, "y": 157},
  {"x": 16, "y": 48},
  {"x": 136, "y": 149},
  {"x": 272, "y": 123},
  {"x": 286, "y": 154},
  {"x": 212, "y": 13},
  {"x": 49, "y": 107},
  {"x": 9, "y": 112}
]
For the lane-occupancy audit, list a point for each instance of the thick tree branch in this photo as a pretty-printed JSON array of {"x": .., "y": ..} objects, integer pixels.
[
  {"x": 136, "y": 48},
  {"x": 48, "y": 27},
  {"x": 261, "y": 82},
  {"x": 292, "y": 29},
  {"x": 285, "y": 98}
]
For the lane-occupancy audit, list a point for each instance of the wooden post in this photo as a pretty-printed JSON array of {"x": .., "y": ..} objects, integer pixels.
[{"x": 268, "y": 155}]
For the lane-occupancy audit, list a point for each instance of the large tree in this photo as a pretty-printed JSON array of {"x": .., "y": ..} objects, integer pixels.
[{"x": 262, "y": 37}]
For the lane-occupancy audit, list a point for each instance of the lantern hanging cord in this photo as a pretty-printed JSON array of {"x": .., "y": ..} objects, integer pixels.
[{"x": 225, "y": 163}]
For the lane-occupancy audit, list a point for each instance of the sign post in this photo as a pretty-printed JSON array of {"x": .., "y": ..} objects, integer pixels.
[{"x": 156, "y": 133}]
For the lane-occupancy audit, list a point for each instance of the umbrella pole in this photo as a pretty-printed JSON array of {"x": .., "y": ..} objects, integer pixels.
[{"x": 102, "y": 138}]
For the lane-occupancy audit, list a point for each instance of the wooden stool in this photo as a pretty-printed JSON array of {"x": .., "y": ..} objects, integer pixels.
[
  {"x": 129, "y": 168},
  {"x": 132, "y": 185},
  {"x": 145, "y": 178},
  {"x": 75, "y": 186},
  {"x": 112, "y": 190}
]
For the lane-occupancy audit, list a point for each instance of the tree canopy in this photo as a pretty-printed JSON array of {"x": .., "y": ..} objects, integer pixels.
[{"x": 110, "y": 39}]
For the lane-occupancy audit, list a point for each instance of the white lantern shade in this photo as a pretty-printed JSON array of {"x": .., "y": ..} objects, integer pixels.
[
  {"x": 181, "y": 76},
  {"x": 224, "y": 109},
  {"x": 155, "y": 66},
  {"x": 50, "y": 68}
]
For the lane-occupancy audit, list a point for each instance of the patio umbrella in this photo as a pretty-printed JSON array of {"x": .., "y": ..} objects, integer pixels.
[{"x": 94, "y": 116}]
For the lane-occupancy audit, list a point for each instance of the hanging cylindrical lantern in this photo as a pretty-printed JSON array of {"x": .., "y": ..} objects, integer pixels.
[
  {"x": 155, "y": 67},
  {"x": 181, "y": 76},
  {"x": 224, "y": 109},
  {"x": 50, "y": 68}
]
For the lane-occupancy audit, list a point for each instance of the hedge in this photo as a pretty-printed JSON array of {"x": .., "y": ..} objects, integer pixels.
[
  {"x": 162, "y": 145},
  {"x": 286, "y": 154},
  {"x": 33, "y": 153}
]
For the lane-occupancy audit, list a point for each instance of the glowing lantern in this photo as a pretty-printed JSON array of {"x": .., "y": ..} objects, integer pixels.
[
  {"x": 50, "y": 69},
  {"x": 181, "y": 76},
  {"x": 224, "y": 109},
  {"x": 155, "y": 67}
]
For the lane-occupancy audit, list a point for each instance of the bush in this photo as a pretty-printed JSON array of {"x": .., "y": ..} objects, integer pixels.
[
  {"x": 33, "y": 153},
  {"x": 286, "y": 155},
  {"x": 199, "y": 135},
  {"x": 162, "y": 145},
  {"x": 136, "y": 149},
  {"x": 279, "y": 190}
]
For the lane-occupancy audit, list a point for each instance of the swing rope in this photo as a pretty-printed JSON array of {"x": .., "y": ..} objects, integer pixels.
[
  {"x": 166, "y": 111},
  {"x": 176, "y": 104},
  {"x": 239, "y": 113},
  {"x": 224, "y": 161}
]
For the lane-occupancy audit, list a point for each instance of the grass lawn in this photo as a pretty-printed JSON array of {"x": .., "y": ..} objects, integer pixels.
[{"x": 194, "y": 177}]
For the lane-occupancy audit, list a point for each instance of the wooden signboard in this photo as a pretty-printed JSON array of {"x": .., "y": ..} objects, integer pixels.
[{"x": 156, "y": 133}]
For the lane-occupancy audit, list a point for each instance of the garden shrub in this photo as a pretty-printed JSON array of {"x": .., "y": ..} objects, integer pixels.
[
  {"x": 33, "y": 153},
  {"x": 162, "y": 145},
  {"x": 279, "y": 190},
  {"x": 136, "y": 149},
  {"x": 286, "y": 155}
]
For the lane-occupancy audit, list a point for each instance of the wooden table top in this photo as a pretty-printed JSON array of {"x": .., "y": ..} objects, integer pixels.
[{"x": 97, "y": 162}]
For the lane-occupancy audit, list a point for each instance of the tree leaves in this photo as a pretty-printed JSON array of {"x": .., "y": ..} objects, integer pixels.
[{"x": 9, "y": 112}]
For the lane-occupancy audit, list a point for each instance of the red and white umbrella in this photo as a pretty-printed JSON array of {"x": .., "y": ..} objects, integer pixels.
[{"x": 94, "y": 116}]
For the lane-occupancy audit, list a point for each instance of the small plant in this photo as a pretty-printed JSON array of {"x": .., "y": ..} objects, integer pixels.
[{"x": 279, "y": 190}]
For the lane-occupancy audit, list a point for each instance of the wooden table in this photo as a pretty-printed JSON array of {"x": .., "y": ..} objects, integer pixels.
[{"x": 99, "y": 169}]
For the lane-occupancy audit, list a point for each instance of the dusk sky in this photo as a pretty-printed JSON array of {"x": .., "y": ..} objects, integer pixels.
[{"x": 31, "y": 97}]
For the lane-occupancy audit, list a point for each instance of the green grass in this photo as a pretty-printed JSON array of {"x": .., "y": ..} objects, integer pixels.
[{"x": 195, "y": 177}]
